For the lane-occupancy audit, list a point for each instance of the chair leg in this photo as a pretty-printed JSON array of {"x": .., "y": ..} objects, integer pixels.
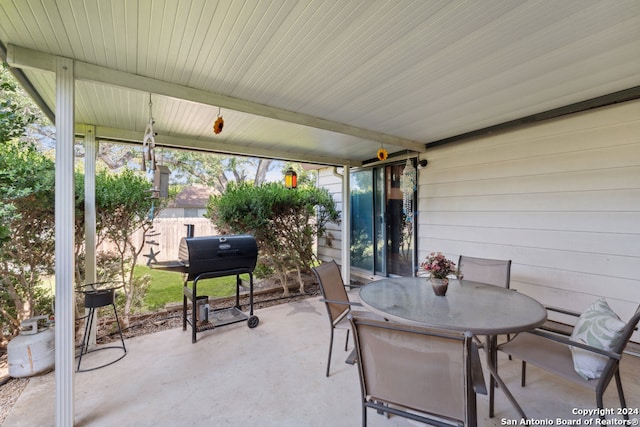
[
  {"x": 330, "y": 348},
  {"x": 490, "y": 347},
  {"x": 346, "y": 343},
  {"x": 491, "y": 401},
  {"x": 364, "y": 414},
  {"x": 523, "y": 379},
  {"x": 623, "y": 402},
  {"x": 600, "y": 404},
  {"x": 352, "y": 358}
]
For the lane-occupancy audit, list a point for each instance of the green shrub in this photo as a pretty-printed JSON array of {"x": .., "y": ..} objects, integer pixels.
[
  {"x": 26, "y": 234},
  {"x": 285, "y": 223}
]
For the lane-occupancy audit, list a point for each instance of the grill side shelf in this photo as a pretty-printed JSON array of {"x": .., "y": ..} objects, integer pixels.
[{"x": 175, "y": 266}]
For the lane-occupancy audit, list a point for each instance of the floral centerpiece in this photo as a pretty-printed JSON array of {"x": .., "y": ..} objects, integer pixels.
[{"x": 439, "y": 267}]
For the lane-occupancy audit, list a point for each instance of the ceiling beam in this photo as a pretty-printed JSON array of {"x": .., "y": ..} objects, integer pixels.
[
  {"x": 26, "y": 84},
  {"x": 22, "y": 57},
  {"x": 207, "y": 145}
]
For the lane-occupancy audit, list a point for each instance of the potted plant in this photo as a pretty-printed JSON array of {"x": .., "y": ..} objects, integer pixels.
[{"x": 439, "y": 268}]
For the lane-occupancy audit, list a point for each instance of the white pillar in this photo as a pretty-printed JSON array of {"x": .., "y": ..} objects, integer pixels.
[
  {"x": 65, "y": 225},
  {"x": 91, "y": 153},
  {"x": 346, "y": 225}
]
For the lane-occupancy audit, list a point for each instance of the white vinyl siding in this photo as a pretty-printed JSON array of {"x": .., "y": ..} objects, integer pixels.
[
  {"x": 561, "y": 199},
  {"x": 330, "y": 249}
]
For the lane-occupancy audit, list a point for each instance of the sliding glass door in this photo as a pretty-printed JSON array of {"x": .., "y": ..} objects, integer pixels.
[
  {"x": 382, "y": 225},
  {"x": 362, "y": 230}
]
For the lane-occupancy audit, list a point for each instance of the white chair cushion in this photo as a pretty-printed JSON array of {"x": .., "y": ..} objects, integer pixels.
[{"x": 600, "y": 327}]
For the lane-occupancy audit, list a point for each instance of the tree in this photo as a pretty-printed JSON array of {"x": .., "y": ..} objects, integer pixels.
[
  {"x": 188, "y": 167},
  {"x": 26, "y": 210},
  {"x": 285, "y": 223},
  {"x": 211, "y": 169},
  {"x": 16, "y": 110},
  {"x": 27, "y": 251},
  {"x": 123, "y": 206}
]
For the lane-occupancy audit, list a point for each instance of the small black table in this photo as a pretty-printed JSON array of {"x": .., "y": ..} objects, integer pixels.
[{"x": 98, "y": 295}]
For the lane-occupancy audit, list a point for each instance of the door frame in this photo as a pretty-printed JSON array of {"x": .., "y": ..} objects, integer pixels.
[{"x": 379, "y": 223}]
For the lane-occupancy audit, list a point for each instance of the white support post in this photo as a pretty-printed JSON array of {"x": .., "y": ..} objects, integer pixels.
[
  {"x": 64, "y": 257},
  {"x": 91, "y": 153},
  {"x": 346, "y": 225}
]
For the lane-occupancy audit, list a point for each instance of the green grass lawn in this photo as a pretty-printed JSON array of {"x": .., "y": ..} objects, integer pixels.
[{"x": 166, "y": 287}]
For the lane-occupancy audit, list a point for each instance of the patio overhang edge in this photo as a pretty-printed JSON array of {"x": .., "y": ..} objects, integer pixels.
[
  {"x": 29, "y": 58},
  {"x": 207, "y": 145},
  {"x": 28, "y": 86},
  {"x": 625, "y": 95}
]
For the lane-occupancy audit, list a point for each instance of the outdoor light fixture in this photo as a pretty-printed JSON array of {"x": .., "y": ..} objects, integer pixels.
[{"x": 290, "y": 179}]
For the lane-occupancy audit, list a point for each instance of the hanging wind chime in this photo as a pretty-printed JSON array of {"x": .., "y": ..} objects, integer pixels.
[
  {"x": 149, "y": 142},
  {"x": 158, "y": 174},
  {"x": 408, "y": 181}
]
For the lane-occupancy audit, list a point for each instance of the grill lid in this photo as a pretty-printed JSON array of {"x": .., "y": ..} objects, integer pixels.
[{"x": 213, "y": 254}]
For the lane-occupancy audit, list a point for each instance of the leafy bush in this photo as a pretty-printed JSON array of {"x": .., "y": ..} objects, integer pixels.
[
  {"x": 123, "y": 206},
  {"x": 285, "y": 223},
  {"x": 27, "y": 222}
]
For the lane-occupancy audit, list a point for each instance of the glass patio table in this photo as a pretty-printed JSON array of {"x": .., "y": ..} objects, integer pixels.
[{"x": 478, "y": 308}]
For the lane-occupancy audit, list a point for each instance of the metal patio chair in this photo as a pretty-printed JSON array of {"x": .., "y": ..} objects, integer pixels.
[
  {"x": 422, "y": 374},
  {"x": 552, "y": 352},
  {"x": 336, "y": 300},
  {"x": 495, "y": 272}
]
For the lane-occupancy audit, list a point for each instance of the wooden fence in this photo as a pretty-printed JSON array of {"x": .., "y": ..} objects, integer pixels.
[{"x": 165, "y": 236}]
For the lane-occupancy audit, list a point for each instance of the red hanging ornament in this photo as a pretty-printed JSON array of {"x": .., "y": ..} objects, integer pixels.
[{"x": 217, "y": 126}]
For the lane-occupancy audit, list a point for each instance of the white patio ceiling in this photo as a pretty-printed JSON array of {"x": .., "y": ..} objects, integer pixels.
[{"x": 322, "y": 81}]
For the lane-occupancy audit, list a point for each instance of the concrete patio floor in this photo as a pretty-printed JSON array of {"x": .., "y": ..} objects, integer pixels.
[{"x": 272, "y": 375}]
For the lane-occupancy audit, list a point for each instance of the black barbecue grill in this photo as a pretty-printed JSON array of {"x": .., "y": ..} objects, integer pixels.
[{"x": 206, "y": 257}]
